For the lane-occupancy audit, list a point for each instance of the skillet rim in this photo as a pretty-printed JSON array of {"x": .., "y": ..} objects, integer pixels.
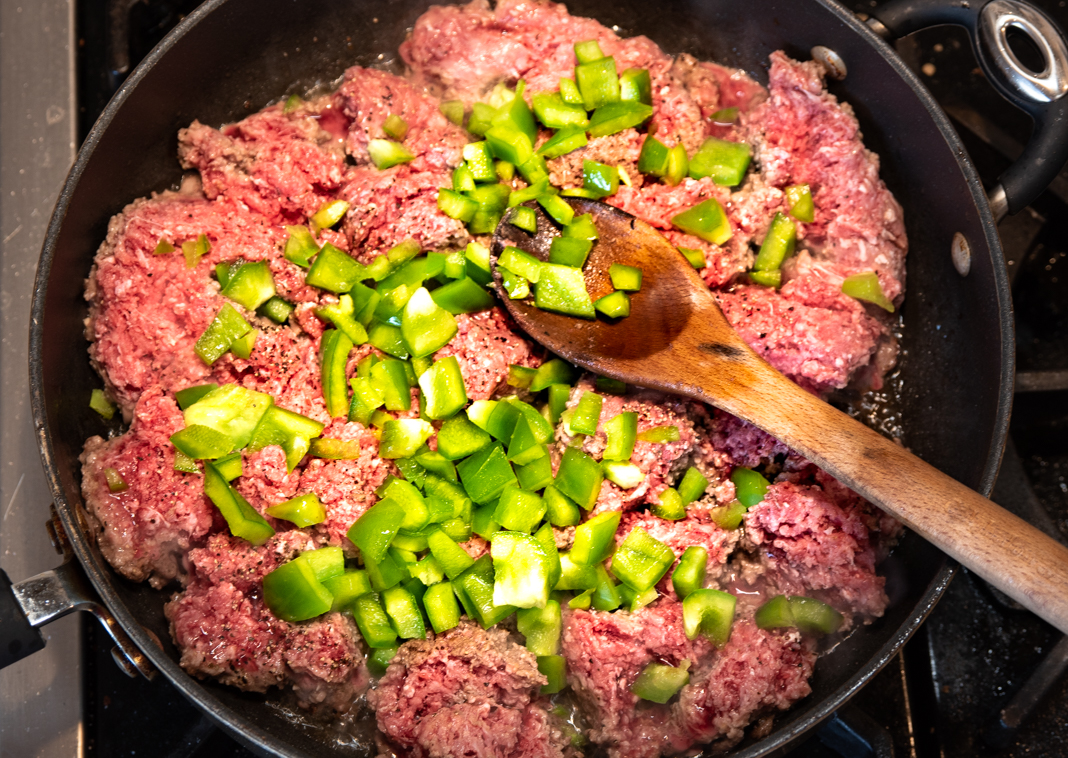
[{"x": 260, "y": 739}]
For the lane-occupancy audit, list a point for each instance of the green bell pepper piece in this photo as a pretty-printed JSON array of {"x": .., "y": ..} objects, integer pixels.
[
  {"x": 622, "y": 431},
  {"x": 201, "y": 442},
  {"x": 441, "y": 607},
  {"x": 575, "y": 576},
  {"x": 227, "y": 327},
  {"x": 606, "y": 597},
  {"x": 692, "y": 486},
  {"x": 586, "y": 414},
  {"x": 728, "y": 516},
  {"x": 690, "y": 574},
  {"x": 521, "y": 570},
  {"x": 595, "y": 538},
  {"x": 329, "y": 214},
  {"x": 251, "y": 285},
  {"x": 778, "y": 244},
  {"x": 342, "y": 315},
  {"x": 552, "y": 111},
  {"x": 520, "y": 263},
  {"x": 696, "y": 258},
  {"x": 804, "y": 613},
  {"x": 560, "y": 509},
  {"x": 636, "y": 85},
  {"x": 394, "y": 126},
  {"x": 799, "y": 201},
  {"x": 613, "y": 118},
  {"x": 569, "y": 251},
  {"x": 459, "y": 438},
  {"x": 613, "y": 305},
  {"x": 626, "y": 278},
  {"x": 598, "y": 82},
  {"x": 654, "y": 157},
  {"x": 373, "y": 622},
  {"x": 623, "y": 474},
  {"x": 404, "y": 614},
  {"x": 232, "y": 410},
  {"x": 563, "y": 289},
  {"x": 750, "y": 487},
  {"x": 290, "y": 431},
  {"x": 771, "y": 279},
  {"x": 244, "y": 521},
  {"x": 599, "y": 178},
  {"x": 486, "y": 474},
  {"x": 456, "y": 205},
  {"x": 380, "y": 658},
  {"x": 425, "y": 325},
  {"x": 293, "y": 593},
  {"x": 334, "y": 270},
  {"x": 670, "y": 507},
  {"x": 402, "y": 437},
  {"x": 452, "y": 558},
  {"x": 565, "y": 141},
  {"x": 519, "y": 510},
  {"x": 302, "y": 510},
  {"x": 334, "y": 356},
  {"x": 346, "y": 587},
  {"x": 554, "y": 371},
  {"x": 560, "y": 210},
  {"x": 373, "y": 531},
  {"x": 184, "y": 398},
  {"x": 724, "y": 161},
  {"x": 659, "y": 682},
  {"x": 537, "y": 474},
  {"x": 660, "y": 434},
  {"x": 579, "y": 477},
  {"x": 524, "y": 218},
  {"x": 386, "y": 153},
  {"x": 443, "y": 390},
  {"x": 706, "y": 220},
  {"x": 865, "y": 286},
  {"x": 641, "y": 560},
  {"x": 541, "y": 627},
  {"x": 554, "y": 667},
  {"x": 300, "y": 247}
]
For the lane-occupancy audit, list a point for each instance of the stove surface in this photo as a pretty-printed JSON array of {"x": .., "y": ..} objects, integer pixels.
[{"x": 948, "y": 692}]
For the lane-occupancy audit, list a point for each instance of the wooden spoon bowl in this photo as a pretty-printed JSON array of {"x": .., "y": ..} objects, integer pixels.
[{"x": 676, "y": 339}]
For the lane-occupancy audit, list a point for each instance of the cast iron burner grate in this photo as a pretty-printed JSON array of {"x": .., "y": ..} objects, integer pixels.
[{"x": 981, "y": 678}]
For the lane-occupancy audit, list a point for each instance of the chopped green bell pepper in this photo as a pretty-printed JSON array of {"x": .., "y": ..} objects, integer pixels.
[
  {"x": 521, "y": 570},
  {"x": 541, "y": 626},
  {"x": 402, "y": 437},
  {"x": 595, "y": 538},
  {"x": 799, "y": 201},
  {"x": 750, "y": 487},
  {"x": 865, "y": 286},
  {"x": 724, "y": 161},
  {"x": 334, "y": 270},
  {"x": 706, "y": 220},
  {"x": 244, "y": 521},
  {"x": 778, "y": 244},
  {"x": 485, "y": 474},
  {"x": 227, "y": 327},
  {"x": 386, "y": 153},
  {"x": 692, "y": 486},
  {"x": 728, "y": 516},
  {"x": 232, "y": 410},
  {"x": 302, "y": 510},
  {"x": 579, "y": 477},
  {"x": 613, "y": 118},
  {"x": 560, "y": 510},
  {"x": 710, "y": 612},
  {"x": 441, "y": 607},
  {"x": 670, "y": 507},
  {"x": 641, "y": 560},
  {"x": 613, "y": 305},
  {"x": 622, "y": 431},
  {"x": 565, "y": 141},
  {"x": 404, "y": 614},
  {"x": 334, "y": 356},
  {"x": 346, "y": 587},
  {"x": 563, "y": 289},
  {"x": 659, "y": 682},
  {"x": 690, "y": 574},
  {"x": 373, "y": 622},
  {"x": 293, "y": 593}
]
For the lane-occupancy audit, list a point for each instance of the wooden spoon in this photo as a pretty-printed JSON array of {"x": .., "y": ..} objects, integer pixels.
[{"x": 677, "y": 340}]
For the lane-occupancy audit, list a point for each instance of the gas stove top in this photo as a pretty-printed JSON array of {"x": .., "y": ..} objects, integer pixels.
[{"x": 980, "y": 678}]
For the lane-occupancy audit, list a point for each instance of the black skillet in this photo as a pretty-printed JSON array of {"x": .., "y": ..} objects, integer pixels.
[{"x": 232, "y": 57}]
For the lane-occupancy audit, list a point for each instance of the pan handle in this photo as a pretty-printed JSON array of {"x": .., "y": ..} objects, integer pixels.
[
  {"x": 50, "y": 595},
  {"x": 1040, "y": 94}
]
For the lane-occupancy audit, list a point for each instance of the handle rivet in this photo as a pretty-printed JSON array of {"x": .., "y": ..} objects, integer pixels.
[
  {"x": 961, "y": 253},
  {"x": 831, "y": 61}
]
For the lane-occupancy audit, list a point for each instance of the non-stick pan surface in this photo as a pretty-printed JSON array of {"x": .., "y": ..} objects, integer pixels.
[{"x": 232, "y": 57}]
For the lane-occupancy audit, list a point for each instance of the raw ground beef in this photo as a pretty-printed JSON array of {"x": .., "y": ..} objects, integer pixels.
[
  {"x": 755, "y": 672},
  {"x": 224, "y": 630},
  {"x": 466, "y": 692},
  {"x": 812, "y": 542},
  {"x": 283, "y": 165},
  {"x": 145, "y": 530},
  {"x": 470, "y": 691},
  {"x": 367, "y": 97}
]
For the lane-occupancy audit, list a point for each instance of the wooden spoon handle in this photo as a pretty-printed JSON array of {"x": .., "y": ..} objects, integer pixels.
[{"x": 1018, "y": 559}]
